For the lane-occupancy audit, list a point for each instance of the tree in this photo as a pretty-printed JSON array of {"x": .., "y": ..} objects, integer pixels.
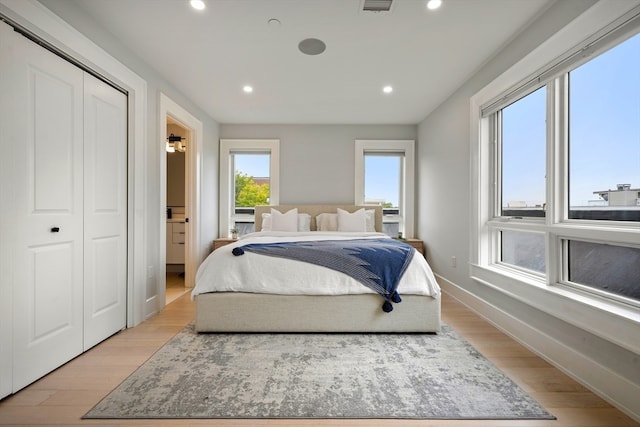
[{"x": 248, "y": 193}]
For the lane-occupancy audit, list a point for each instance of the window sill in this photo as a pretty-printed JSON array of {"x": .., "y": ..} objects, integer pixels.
[{"x": 616, "y": 322}]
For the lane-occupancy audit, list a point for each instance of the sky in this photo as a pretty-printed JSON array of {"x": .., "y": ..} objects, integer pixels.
[
  {"x": 604, "y": 131},
  {"x": 255, "y": 165},
  {"x": 604, "y": 136}
]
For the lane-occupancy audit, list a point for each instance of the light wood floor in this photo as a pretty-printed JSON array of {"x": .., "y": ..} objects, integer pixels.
[
  {"x": 175, "y": 287},
  {"x": 63, "y": 396}
]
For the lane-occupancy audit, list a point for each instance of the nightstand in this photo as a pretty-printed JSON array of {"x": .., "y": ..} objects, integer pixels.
[
  {"x": 416, "y": 243},
  {"x": 218, "y": 243}
]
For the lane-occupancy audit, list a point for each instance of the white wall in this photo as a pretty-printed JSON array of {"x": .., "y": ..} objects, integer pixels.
[
  {"x": 317, "y": 161},
  {"x": 444, "y": 224},
  {"x": 70, "y": 13}
]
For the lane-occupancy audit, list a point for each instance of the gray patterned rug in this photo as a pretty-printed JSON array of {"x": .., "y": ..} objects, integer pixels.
[{"x": 423, "y": 376}]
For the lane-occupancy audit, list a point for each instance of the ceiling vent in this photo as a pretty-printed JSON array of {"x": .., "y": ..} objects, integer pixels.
[{"x": 376, "y": 5}]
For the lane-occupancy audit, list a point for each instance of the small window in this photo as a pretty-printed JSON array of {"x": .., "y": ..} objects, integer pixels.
[
  {"x": 384, "y": 175},
  {"x": 249, "y": 176}
]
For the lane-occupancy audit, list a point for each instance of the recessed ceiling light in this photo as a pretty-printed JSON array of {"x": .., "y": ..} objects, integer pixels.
[
  {"x": 198, "y": 4},
  {"x": 434, "y": 4},
  {"x": 247, "y": 89},
  {"x": 387, "y": 89}
]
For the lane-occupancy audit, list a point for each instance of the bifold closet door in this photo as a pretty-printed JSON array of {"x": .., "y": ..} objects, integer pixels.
[
  {"x": 44, "y": 139},
  {"x": 63, "y": 221},
  {"x": 105, "y": 211}
]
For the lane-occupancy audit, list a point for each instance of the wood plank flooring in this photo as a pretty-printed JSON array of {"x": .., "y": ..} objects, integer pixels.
[{"x": 62, "y": 397}]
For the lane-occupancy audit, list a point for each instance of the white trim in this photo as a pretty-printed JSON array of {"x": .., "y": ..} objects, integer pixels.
[
  {"x": 616, "y": 322},
  {"x": 36, "y": 18},
  {"x": 227, "y": 146},
  {"x": 193, "y": 252},
  {"x": 616, "y": 389},
  {"x": 407, "y": 198}
]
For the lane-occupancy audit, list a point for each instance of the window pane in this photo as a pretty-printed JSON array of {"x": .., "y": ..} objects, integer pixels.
[
  {"x": 522, "y": 249},
  {"x": 382, "y": 178},
  {"x": 609, "y": 268},
  {"x": 251, "y": 186},
  {"x": 604, "y": 135},
  {"x": 523, "y": 154},
  {"x": 251, "y": 173}
]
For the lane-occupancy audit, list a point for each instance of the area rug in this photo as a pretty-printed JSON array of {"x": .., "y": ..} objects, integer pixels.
[{"x": 412, "y": 376}]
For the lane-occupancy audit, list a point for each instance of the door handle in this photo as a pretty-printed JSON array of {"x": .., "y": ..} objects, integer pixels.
[{"x": 55, "y": 229}]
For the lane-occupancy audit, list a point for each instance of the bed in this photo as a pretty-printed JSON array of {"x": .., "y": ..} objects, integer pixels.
[{"x": 237, "y": 293}]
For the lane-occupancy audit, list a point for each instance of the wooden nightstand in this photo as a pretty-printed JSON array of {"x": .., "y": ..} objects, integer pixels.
[
  {"x": 218, "y": 243},
  {"x": 416, "y": 243}
]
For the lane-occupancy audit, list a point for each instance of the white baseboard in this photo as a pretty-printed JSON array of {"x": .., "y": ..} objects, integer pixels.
[{"x": 609, "y": 385}]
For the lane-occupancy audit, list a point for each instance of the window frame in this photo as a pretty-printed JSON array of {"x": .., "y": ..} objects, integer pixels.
[
  {"x": 228, "y": 147},
  {"x": 406, "y": 203},
  {"x": 614, "y": 319}
]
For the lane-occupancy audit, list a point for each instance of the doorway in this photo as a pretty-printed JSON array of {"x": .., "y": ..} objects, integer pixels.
[
  {"x": 173, "y": 116},
  {"x": 178, "y": 142}
]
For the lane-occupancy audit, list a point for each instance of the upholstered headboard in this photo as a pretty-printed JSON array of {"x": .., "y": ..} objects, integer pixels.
[{"x": 314, "y": 210}]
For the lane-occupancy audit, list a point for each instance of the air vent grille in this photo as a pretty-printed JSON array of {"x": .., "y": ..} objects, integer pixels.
[{"x": 377, "y": 5}]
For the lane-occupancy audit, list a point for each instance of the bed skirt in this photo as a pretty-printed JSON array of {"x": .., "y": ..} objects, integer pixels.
[{"x": 251, "y": 312}]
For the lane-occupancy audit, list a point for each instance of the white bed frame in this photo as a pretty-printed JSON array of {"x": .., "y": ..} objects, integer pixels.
[{"x": 249, "y": 312}]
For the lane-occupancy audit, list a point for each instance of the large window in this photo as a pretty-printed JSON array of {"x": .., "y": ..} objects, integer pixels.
[
  {"x": 576, "y": 256},
  {"x": 384, "y": 176},
  {"x": 248, "y": 177},
  {"x": 564, "y": 176}
]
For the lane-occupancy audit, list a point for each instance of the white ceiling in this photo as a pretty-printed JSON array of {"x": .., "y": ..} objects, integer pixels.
[{"x": 209, "y": 56}]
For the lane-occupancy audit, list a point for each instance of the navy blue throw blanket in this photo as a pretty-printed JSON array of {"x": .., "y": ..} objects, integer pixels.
[{"x": 376, "y": 263}]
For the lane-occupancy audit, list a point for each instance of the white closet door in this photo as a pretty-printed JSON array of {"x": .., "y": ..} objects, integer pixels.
[
  {"x": 45, "y": 135},
  {"x": 105, "y": 210}
]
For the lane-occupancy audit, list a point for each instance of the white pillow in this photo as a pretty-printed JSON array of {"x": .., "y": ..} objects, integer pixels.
[
  {"x": 266, "y": 222},
  {"x": 356, "y": 221},
  {"x": 370, "y": 216},
  {"x": 284, "y": 221},
  {"x": 304, "y": 222},
  {"x": 327, "y": 222}
]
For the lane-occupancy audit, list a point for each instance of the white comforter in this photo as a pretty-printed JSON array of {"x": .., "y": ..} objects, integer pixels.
[{"x": 224, "y": 272}]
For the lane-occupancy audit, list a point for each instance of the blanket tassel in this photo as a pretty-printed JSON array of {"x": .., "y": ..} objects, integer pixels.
[{"x": 237, "y": 251}]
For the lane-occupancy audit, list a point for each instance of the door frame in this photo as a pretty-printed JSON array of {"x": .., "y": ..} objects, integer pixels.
[
  {"x": 44, "y": 24},
  {"x": 193, "y": 156}
]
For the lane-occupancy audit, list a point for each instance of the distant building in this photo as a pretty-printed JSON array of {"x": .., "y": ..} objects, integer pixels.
[
  {"x": 624, "y": 195},
  {"x": 261, "y": 180}
]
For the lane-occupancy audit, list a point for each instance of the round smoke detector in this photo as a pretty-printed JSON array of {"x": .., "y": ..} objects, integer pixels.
[{"x": 312, "y": 46}]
